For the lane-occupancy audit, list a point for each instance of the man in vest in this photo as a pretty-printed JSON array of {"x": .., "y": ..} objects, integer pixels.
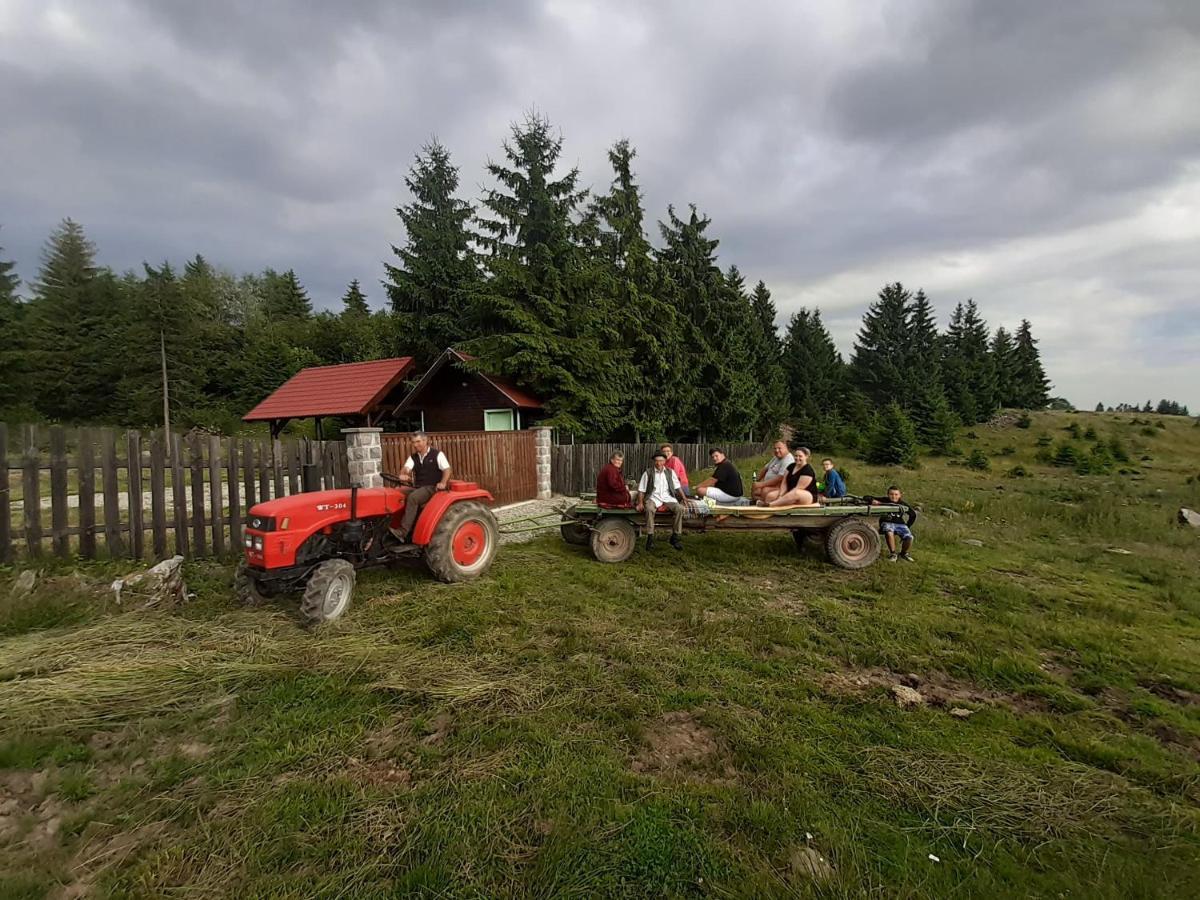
[
  {"x": 428, "y": 471},
  {"x": 660, "y": 487}
]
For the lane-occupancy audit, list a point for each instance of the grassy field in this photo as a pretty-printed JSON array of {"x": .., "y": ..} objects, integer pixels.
[{"x": 718, "y": 722}]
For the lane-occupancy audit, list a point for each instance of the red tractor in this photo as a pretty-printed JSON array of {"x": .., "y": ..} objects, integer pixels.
[{"x": 317, "y": 542}]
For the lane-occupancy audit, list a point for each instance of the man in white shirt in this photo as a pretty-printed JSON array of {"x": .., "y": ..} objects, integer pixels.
[
  {"x": 660, "y": 487},
  {"x": 772, "y": 474},
  {"x": 428, "y": 471}
]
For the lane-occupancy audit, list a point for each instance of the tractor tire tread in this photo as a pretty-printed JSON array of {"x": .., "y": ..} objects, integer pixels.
[
  {"x": 312, "y": 603},
  {"x": 439, "y": 552},
  {"x": 855, "y": 526},
  {"x": 246, "y": 589}
]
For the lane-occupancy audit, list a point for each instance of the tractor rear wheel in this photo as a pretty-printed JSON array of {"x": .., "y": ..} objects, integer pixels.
[
  {"x": 613, "y": 540},
  {"x": 463, "y": 544},
  {"x": 575, "y": 532},
  {"x": 328, "y": 592},
  {"x": 246, "y": 588},
  {"x": 852, "y": 543}
]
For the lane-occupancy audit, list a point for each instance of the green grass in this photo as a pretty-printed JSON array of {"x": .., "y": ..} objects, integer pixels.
[{"x": 508, "y": 737}]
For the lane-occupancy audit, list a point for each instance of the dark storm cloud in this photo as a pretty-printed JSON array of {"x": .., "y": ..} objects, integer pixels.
[{"x": 1039, "y": 157}]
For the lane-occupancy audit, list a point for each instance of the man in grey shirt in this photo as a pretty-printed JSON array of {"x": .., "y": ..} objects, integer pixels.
[{"x": 772, "y": 474}]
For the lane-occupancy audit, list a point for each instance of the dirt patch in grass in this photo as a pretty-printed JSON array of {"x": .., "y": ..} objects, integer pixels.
[
  {"x": 934, "y": 689},
  {"x": 1172, "y": 693},
  {"x": 677, "y": 743},
  {"x": 379, "y": 772}
]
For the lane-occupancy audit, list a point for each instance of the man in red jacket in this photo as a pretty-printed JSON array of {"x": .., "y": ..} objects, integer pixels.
[{"x": 611, "y": 492}]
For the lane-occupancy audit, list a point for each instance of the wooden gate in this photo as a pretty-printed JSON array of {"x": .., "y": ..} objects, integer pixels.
[{"x": 502, "y": 462}]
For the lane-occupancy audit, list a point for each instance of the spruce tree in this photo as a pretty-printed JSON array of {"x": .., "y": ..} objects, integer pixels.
[
  {"x": 967, "y": 371},
  {"x": 879, "y": 366},
  {"x": 1004, "y": 363},
  {"x": 284, "y": 300},
  {"x": 651, "y": 345},
  {"x": 354, "y": 303},
  {"x": 430, "y": 288},
  {"x": 892, "y": 441},
  {"x": 1032, "y": 388},
  {"x": 773, "y": 401},
  {"x": 13, "y": 365},
  {"x": 815, "y": 377},
  {"x": 925, "y": 399},
  {"x": 538, "y": 311},
  {"x": 8, "y": 282}
]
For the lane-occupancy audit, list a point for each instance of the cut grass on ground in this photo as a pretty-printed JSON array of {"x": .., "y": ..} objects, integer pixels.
[{"x": 719, "y": 721}]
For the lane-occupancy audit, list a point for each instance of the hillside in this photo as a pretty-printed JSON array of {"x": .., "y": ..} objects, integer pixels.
[{"x": 723, "y": 721}]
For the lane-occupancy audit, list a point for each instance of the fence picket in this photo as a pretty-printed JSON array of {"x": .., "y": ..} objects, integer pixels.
[
  {"x": 216, "y": 500},
  {"x": 293, "y": 470},
  {"x": 179, "y": 496},
  {"x": 158, "y": 495},
  {"x": 30, "y": 484},
  {"x": 85, "y": 476},
  {"x": 277, "y": 466},
  {"x": 264, "y": 474},
  {"x": 196, "y": 459},
  {"x": 112, "y": 503},
  {"x": 58, "y": 492},
  {"x": 133, "y": 491},
  {"x": 6, "y": 551},
  {"x": 235, "y": 508},
  {"x": 248, "y": 471}
]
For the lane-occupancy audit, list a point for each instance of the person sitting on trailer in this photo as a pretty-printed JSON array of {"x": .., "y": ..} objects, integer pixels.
[
  {"x": 428, "y": 471},
  {"x": 799, "y": 487},
  {"x": 725, "y": 485},
  {"x": 659, "y": 489},
  {"x": 770, "y": 477},
  {"x": 834, "y": 485},
  {"x": 675, "y": 464},
  {"x": 611, "y": 492},
  {"x": 896, "y": 526}
]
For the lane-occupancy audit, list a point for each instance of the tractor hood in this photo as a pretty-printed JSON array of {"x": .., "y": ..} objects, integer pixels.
[{"x": 305, "y": 511}]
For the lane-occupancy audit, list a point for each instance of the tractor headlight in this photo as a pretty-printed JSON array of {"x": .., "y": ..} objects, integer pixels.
[
  {"x": 258, "y": 543},
  {"x": 248, "y": 541}
]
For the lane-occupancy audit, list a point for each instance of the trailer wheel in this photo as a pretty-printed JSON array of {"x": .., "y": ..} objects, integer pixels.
[
  {"x": 852, "y": 544},
  {"x": 328, "y": 592},
  {"x": 575, "y": 532},
  {"x": 809, "y": 540},
  {"x": 463, "y": 544},
  {"x": 245, "y": 588},
  {"x": 613, "y": 540}
]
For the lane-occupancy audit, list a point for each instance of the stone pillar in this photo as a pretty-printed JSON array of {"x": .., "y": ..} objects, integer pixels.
[
  {"x": 541, "y": 443},
  {"x": 364, "y": 454}
]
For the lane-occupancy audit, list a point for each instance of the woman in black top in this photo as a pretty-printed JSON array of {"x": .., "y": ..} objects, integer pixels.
[{"x": 800, "y": 483}]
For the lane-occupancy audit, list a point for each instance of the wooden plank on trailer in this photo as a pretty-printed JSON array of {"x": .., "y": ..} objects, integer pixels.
[
  {"x": 216, "y": 499},
  {"x": 85, "y": 476},
  {"x": 6, "y": 551},
  {"x": 158, "y": 495},
  {"x": 133, "y": 493},
  {"x": 30, "y": 486},
  {"x": 179, "y": 497},
  {"x": 112, "y": 502},
  {"x": 196, "y": 459},
  {"x": 248, "y": 472},
  {"x": 235, "y": 501},
  {"x": 58, "y": 492}
]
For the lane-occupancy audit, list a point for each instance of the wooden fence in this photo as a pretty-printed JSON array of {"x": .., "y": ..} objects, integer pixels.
[
  {"x": 573, "y": 467},
  {"x": 105, "y": 491},
  {"x": 502, "y": 462}
]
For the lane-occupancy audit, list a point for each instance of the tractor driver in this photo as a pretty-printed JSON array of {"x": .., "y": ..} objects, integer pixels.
[{"x": 427, "y": 470}]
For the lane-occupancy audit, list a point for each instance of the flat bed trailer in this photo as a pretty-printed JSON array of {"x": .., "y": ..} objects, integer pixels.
[{"x": 847, "y": 529}]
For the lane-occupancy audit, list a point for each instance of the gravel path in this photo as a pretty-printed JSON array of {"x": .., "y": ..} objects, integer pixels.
[{"x": 530, "y": 508}]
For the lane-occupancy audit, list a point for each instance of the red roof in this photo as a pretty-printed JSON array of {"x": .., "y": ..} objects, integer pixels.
[
  {"x": 350, "y": 389},
  {"x": 518, "y": 396}
]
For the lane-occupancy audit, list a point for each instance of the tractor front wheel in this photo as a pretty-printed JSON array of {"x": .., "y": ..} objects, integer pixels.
[
  {"x": 463, "y": 544},
  {"x": 613, "y": 540},
  {"x": 328, "y": 592},
  {"x": 852, "y": 543},
  {"x": 246, "y": 588}
]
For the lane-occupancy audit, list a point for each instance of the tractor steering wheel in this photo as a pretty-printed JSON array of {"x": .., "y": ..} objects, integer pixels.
[{"x": 391, "y": 479}]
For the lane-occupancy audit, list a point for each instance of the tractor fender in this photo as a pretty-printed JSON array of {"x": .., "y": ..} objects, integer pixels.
[{"x": 432, "y": 512}]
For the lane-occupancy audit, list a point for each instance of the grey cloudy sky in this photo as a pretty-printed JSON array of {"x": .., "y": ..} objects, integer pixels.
[{"x": 1043, "y": 158}]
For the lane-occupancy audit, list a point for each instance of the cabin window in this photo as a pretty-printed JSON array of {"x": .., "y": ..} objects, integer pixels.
[{"x": 498, "y": 420}]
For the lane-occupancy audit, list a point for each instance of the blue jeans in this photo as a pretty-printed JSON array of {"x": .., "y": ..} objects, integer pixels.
[{"x": 900, "y": 530}]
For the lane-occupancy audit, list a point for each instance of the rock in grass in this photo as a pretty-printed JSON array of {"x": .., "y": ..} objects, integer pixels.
[
  {"x": 960, "y": 712},
  {"x": 807, "y": 862},
  {"x": 906, "y": 696},
  {"x": 160, "y": 585},
  {"x": 24, "y": 584},
  {"x": 948, "y": 512},
  {"x": 1120, "y": 551},
  {"x": 1189, "y": 517},
  {"x": 972, "y": 542}
]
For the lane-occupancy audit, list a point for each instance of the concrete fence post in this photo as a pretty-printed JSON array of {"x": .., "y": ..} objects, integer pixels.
[
  {"x": 364, "y": 456},
  {"x": 541, "y": 443}
]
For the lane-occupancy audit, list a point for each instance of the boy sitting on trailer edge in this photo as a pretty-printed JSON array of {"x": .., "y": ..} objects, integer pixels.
[{"x": 896, "y": 525}]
